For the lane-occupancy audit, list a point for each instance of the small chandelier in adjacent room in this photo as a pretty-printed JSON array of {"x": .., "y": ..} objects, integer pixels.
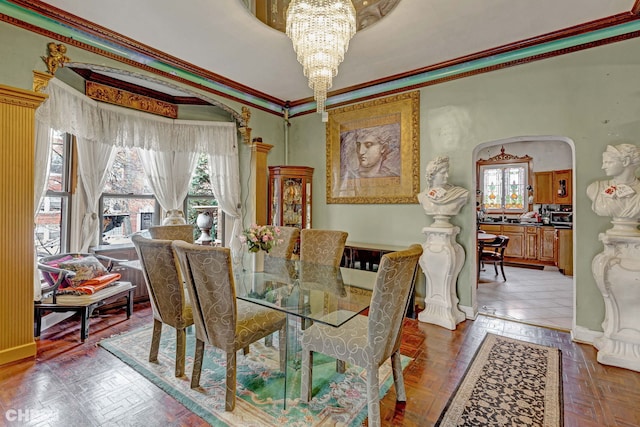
[{"x": 320, "y": 31}]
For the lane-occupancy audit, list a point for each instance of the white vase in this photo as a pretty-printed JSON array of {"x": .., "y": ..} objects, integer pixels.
[
  {"x": 258, "y": 261},
  {"x": 207, "y": 216}
]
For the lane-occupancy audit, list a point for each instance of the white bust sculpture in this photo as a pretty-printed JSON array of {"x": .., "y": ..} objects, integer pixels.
[
  {"x": 439, "y": 198},
  {"x": 619, "y": 197}
]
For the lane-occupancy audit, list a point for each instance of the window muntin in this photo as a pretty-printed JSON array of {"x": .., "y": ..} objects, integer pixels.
[
  {"x": 504, "y": 188},
  {"x": 52, "y": 221},
  {"x": 127, "y": 204}
]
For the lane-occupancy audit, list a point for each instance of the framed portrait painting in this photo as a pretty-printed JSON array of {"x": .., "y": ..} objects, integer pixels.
[{"x": 373, "y": 151}]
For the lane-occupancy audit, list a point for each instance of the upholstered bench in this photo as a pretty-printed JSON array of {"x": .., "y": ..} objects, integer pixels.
[{"x": 68, "y": 288}]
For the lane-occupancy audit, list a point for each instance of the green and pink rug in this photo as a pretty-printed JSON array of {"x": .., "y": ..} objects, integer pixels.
[{"x": 339, "y": 399}]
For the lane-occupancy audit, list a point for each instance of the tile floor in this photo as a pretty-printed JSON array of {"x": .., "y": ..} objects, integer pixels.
[{"x": 539, "y": 297}]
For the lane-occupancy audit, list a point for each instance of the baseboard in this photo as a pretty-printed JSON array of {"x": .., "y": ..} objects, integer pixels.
[
  {"x": 54, "y": 318},
  {"x": 18, "y": 353},
  {"x": 584, "y": 335},
  {"x": 469, "y": 312}
]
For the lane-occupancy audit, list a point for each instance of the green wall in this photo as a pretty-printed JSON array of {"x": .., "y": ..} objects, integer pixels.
[{"x": 589, "y": 97}]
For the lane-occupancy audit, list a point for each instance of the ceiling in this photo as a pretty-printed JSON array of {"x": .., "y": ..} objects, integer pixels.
[{"x": 223, "y": 39}]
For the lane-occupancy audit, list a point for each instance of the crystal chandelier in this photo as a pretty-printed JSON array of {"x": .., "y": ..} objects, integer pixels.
[{"x": 320, "y": 31}]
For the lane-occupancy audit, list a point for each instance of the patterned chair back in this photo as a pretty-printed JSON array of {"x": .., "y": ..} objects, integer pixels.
[
  {"x": 394, "y": 284},
  {"x": 322, "y": 246},
  {"x": 289, "y": 236},
  {"x": 209, "y": 279},
  {"x": 172, "y": 232},
  {"x": 164, "y": 281}
]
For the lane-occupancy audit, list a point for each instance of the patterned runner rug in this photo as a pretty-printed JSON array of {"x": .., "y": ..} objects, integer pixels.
[
  {"x": 339, "y": 399},
  {"x": 509, "y": 383}
]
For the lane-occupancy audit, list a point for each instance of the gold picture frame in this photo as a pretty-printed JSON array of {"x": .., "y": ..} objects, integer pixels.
[{"x": 373, "y": 151}]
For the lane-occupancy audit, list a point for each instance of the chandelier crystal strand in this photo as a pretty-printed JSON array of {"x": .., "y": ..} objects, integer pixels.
[{"x": 320, "y": 31}]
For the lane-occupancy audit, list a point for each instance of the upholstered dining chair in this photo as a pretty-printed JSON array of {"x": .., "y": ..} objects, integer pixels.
[
  {"x": 369, "y": 341},
  {"x": 322, "y": 246},
  {"x": 221, "y": 320},
  {"x": 172, "y": 232},
  {"x": 492, "y": 252},
  {"x": 289, "y": 237},
  {"x": 169, "y": 302}
]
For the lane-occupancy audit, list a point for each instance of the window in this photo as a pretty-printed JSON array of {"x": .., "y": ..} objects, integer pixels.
[
  {"x": 201, "y": 194},
  {"x": 502, "y": 183},
  {"x": 127, "y": 204},
  {"x": 52, "y": 220},
  {"x": 504, "y": 188}
]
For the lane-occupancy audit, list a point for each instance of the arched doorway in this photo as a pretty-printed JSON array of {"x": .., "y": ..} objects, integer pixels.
[{"x": 539, "y": 288}]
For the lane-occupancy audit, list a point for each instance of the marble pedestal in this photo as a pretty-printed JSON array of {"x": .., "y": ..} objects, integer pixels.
[
  {"x": 441, "y": 262},
  {"x": 617, "y": 274}
]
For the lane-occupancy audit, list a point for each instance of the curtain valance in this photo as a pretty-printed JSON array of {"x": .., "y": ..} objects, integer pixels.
[{"x": 68, "y": 110}]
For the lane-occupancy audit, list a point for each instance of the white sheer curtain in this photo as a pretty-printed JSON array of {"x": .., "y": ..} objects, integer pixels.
[
  {"x": 93, "y": 123},
  {"x": 169, "y": 174},
  {"x": 94, "y": 161},
  {"x": 225, "y": 180},
  {"x": 41, "y": 172}
]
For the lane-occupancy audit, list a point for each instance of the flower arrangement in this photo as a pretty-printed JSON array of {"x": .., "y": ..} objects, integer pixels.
[{"x": 261, "y": 237}]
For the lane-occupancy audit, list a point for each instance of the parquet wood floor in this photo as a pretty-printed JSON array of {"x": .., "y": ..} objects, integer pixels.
[{"x": 84, "y": 385}]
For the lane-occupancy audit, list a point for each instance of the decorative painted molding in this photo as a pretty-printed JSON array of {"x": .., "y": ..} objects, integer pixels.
[
  {"x": 585, "y": 335},
  {"x": 244, "y": 128},
  {"x": 127, "y": 99},
  {"x": 40, "y": 80},
  {"x": 20, "y": 97},
  {"x": 505, "y": 157},
  {"x": 40, "y": 18}
]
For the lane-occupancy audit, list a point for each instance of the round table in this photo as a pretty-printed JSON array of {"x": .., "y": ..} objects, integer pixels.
[{"x": 486, "y": 236}]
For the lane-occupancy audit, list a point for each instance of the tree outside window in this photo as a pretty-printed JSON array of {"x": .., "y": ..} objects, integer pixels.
[{"x": 201, "y": 194}]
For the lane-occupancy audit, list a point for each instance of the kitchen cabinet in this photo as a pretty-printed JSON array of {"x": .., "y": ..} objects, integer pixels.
[
  {"x": 515, "y": 233},
  {"x": 552, "y": 187},
  {"x": 290, "y": 196},
  {"x": 531, "y": 242},
  {"x": 547, "y": 244},
  {"x": 528, "y": 244},
  {"x": 543, "y": 188},
  {"x": 562, "y": 194},
  {"x": 565, "y": 251},
  {"x": 516, "y": 246}
]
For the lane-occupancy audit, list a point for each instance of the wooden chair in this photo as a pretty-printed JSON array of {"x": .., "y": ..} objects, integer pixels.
[
  {"x": 369, "y": 341},
  {"x": 56, "y": 299},
  {"x": 172, "y": 232},
  {"x": 221, "y": 320},
  {"x": 166, "y": 293},
  {"x": 492, "y": 252}
]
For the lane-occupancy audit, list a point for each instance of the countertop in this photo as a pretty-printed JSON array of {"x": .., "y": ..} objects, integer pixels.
[{"x": 525, "y": 224}]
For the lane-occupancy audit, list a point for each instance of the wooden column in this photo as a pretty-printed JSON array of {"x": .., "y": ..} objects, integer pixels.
[
  {"x": 261, "y": 151},
  {"x": 17, "y": 136}
]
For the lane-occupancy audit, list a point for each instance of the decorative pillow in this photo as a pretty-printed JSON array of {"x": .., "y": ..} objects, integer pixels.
[
  {"x": 51, "y": 278},
  {"x": 85, "y": 268}
]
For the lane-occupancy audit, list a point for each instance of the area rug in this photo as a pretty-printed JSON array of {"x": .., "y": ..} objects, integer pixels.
[
  {"x": 338, "y": 399},
  {"x": 508, "y": 383}
]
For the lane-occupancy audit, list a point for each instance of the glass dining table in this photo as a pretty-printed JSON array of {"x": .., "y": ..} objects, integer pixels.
[{"x": 306, "y": 293}]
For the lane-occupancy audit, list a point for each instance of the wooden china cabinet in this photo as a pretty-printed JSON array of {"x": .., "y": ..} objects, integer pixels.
[{"x": 290, "y": 196}]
